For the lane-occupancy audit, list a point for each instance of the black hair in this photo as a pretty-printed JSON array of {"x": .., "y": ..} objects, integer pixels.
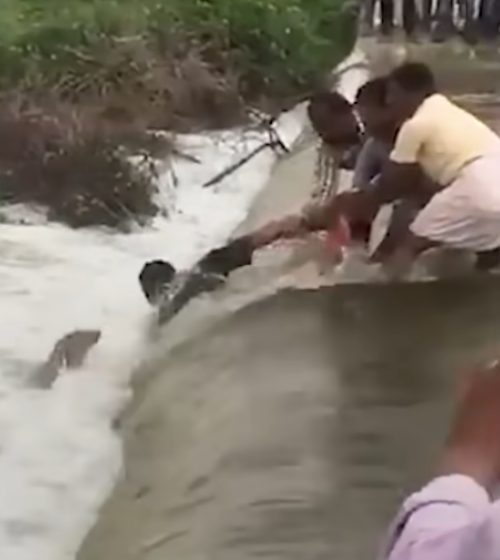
[
  {"x": 374, "y": 92},
  {"x": 329, "y": 101},
  {"x": 414, "y": 77},
  {"x": 153, "y": 278}
]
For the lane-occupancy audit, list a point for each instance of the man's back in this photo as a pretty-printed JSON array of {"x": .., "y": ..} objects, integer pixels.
[{"x": 443, "y": 138}]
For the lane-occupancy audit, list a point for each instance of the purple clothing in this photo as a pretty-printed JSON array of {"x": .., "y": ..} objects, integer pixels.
[{"x": 452, "y": 518}]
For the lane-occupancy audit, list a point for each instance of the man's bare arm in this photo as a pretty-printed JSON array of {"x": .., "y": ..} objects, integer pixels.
[{"x": 397, "y": 180}]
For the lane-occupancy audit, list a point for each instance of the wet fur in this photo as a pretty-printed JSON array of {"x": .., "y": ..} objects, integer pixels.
[{"x": 68, "y": 352}]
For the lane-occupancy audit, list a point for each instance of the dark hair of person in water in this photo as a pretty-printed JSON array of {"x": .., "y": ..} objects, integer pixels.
[
  {"x": 333, "y": 118},
  {"x": 408, "y": 86},
  {"x": 153, "y": 278}
]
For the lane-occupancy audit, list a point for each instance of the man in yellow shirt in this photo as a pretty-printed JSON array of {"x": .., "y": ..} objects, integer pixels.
[{"x": 458, "y": 152}]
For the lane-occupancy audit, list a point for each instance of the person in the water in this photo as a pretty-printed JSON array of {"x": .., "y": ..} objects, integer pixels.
[{"x": 457, "y": 515}]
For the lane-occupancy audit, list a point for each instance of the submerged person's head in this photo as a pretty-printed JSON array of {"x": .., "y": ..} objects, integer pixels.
[
  {"x": 333, "y": 119},
  {"x": 154, "y": 277},
  {"x": 408, "y": 86},
  {"x": 372, "y": 107}
]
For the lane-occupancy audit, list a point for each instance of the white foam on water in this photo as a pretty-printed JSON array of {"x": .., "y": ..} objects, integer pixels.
[{"x": 59, "y": 455}]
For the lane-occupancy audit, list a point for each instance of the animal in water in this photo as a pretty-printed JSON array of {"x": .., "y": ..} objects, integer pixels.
[
  {"x": 170, "y": 290},
  {"x": 69, "y": 352}
]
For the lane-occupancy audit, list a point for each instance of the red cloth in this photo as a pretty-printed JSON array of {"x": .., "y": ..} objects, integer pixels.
[{"x": 338, "y": 236}]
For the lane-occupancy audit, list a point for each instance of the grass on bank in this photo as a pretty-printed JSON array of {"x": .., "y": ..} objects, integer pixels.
[{"x": 129, "y": 65}]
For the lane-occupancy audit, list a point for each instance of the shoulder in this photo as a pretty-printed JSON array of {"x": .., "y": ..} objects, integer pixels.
[
  {"x": 415, "y": 127},
  {"x": 413, "y": 134},
  {"x": 433, "y": 109}
]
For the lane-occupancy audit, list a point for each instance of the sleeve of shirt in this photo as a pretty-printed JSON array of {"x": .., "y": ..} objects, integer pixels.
[
  {"x": 449, "y": 519},
  {"x": 368, "y": 164},
  {"x": 349, "y": 157},
  {"x": 409, "y": 142}
]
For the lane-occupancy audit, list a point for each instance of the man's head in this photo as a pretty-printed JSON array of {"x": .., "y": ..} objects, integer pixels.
[
  {"x": 154, "y": 277},
  {"x": 372, "y": 107},
  {"x": 408, "y": 86},
  {"x": 333, "y": 118}
]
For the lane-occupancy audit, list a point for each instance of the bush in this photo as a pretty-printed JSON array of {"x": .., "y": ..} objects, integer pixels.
[
  {"x": 76, "y": 75},
  {"x": 245, "y": 49},
  {"x": 66, "y": 161}
]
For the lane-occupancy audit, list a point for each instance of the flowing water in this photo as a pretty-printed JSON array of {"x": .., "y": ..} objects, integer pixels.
[{"x": 59, "y": 456}]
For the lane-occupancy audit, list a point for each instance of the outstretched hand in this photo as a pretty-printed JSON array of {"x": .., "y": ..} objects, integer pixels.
[
  {"x": 473, "y": 447},
  {"x": 290, "y": 226}
]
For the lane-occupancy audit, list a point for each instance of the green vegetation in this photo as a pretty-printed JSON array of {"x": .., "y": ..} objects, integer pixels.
[
  {"x": 267, "y": 48},
  {"x": 114, "y": 68}
]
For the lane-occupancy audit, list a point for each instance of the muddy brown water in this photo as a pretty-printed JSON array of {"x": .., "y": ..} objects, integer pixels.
[{"x": 294, "y": 428}]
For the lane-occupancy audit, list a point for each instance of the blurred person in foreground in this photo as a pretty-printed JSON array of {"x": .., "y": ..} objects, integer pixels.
[{"x": 456, "y": 516}]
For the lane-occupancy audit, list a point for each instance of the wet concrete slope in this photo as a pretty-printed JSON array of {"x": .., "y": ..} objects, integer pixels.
[{"x": 292, "y": 429}]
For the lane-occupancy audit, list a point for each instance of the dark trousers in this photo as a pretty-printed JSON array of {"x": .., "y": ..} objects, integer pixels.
[
  {"x": 444, "y": 14},
  {"x": 410, "y": 16},
  {"x": 386, "y": 14},
  {"x": 427, "y": 12},
  {"x": 488, "y": 260},
  {"x": 489, "y": 18}
]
